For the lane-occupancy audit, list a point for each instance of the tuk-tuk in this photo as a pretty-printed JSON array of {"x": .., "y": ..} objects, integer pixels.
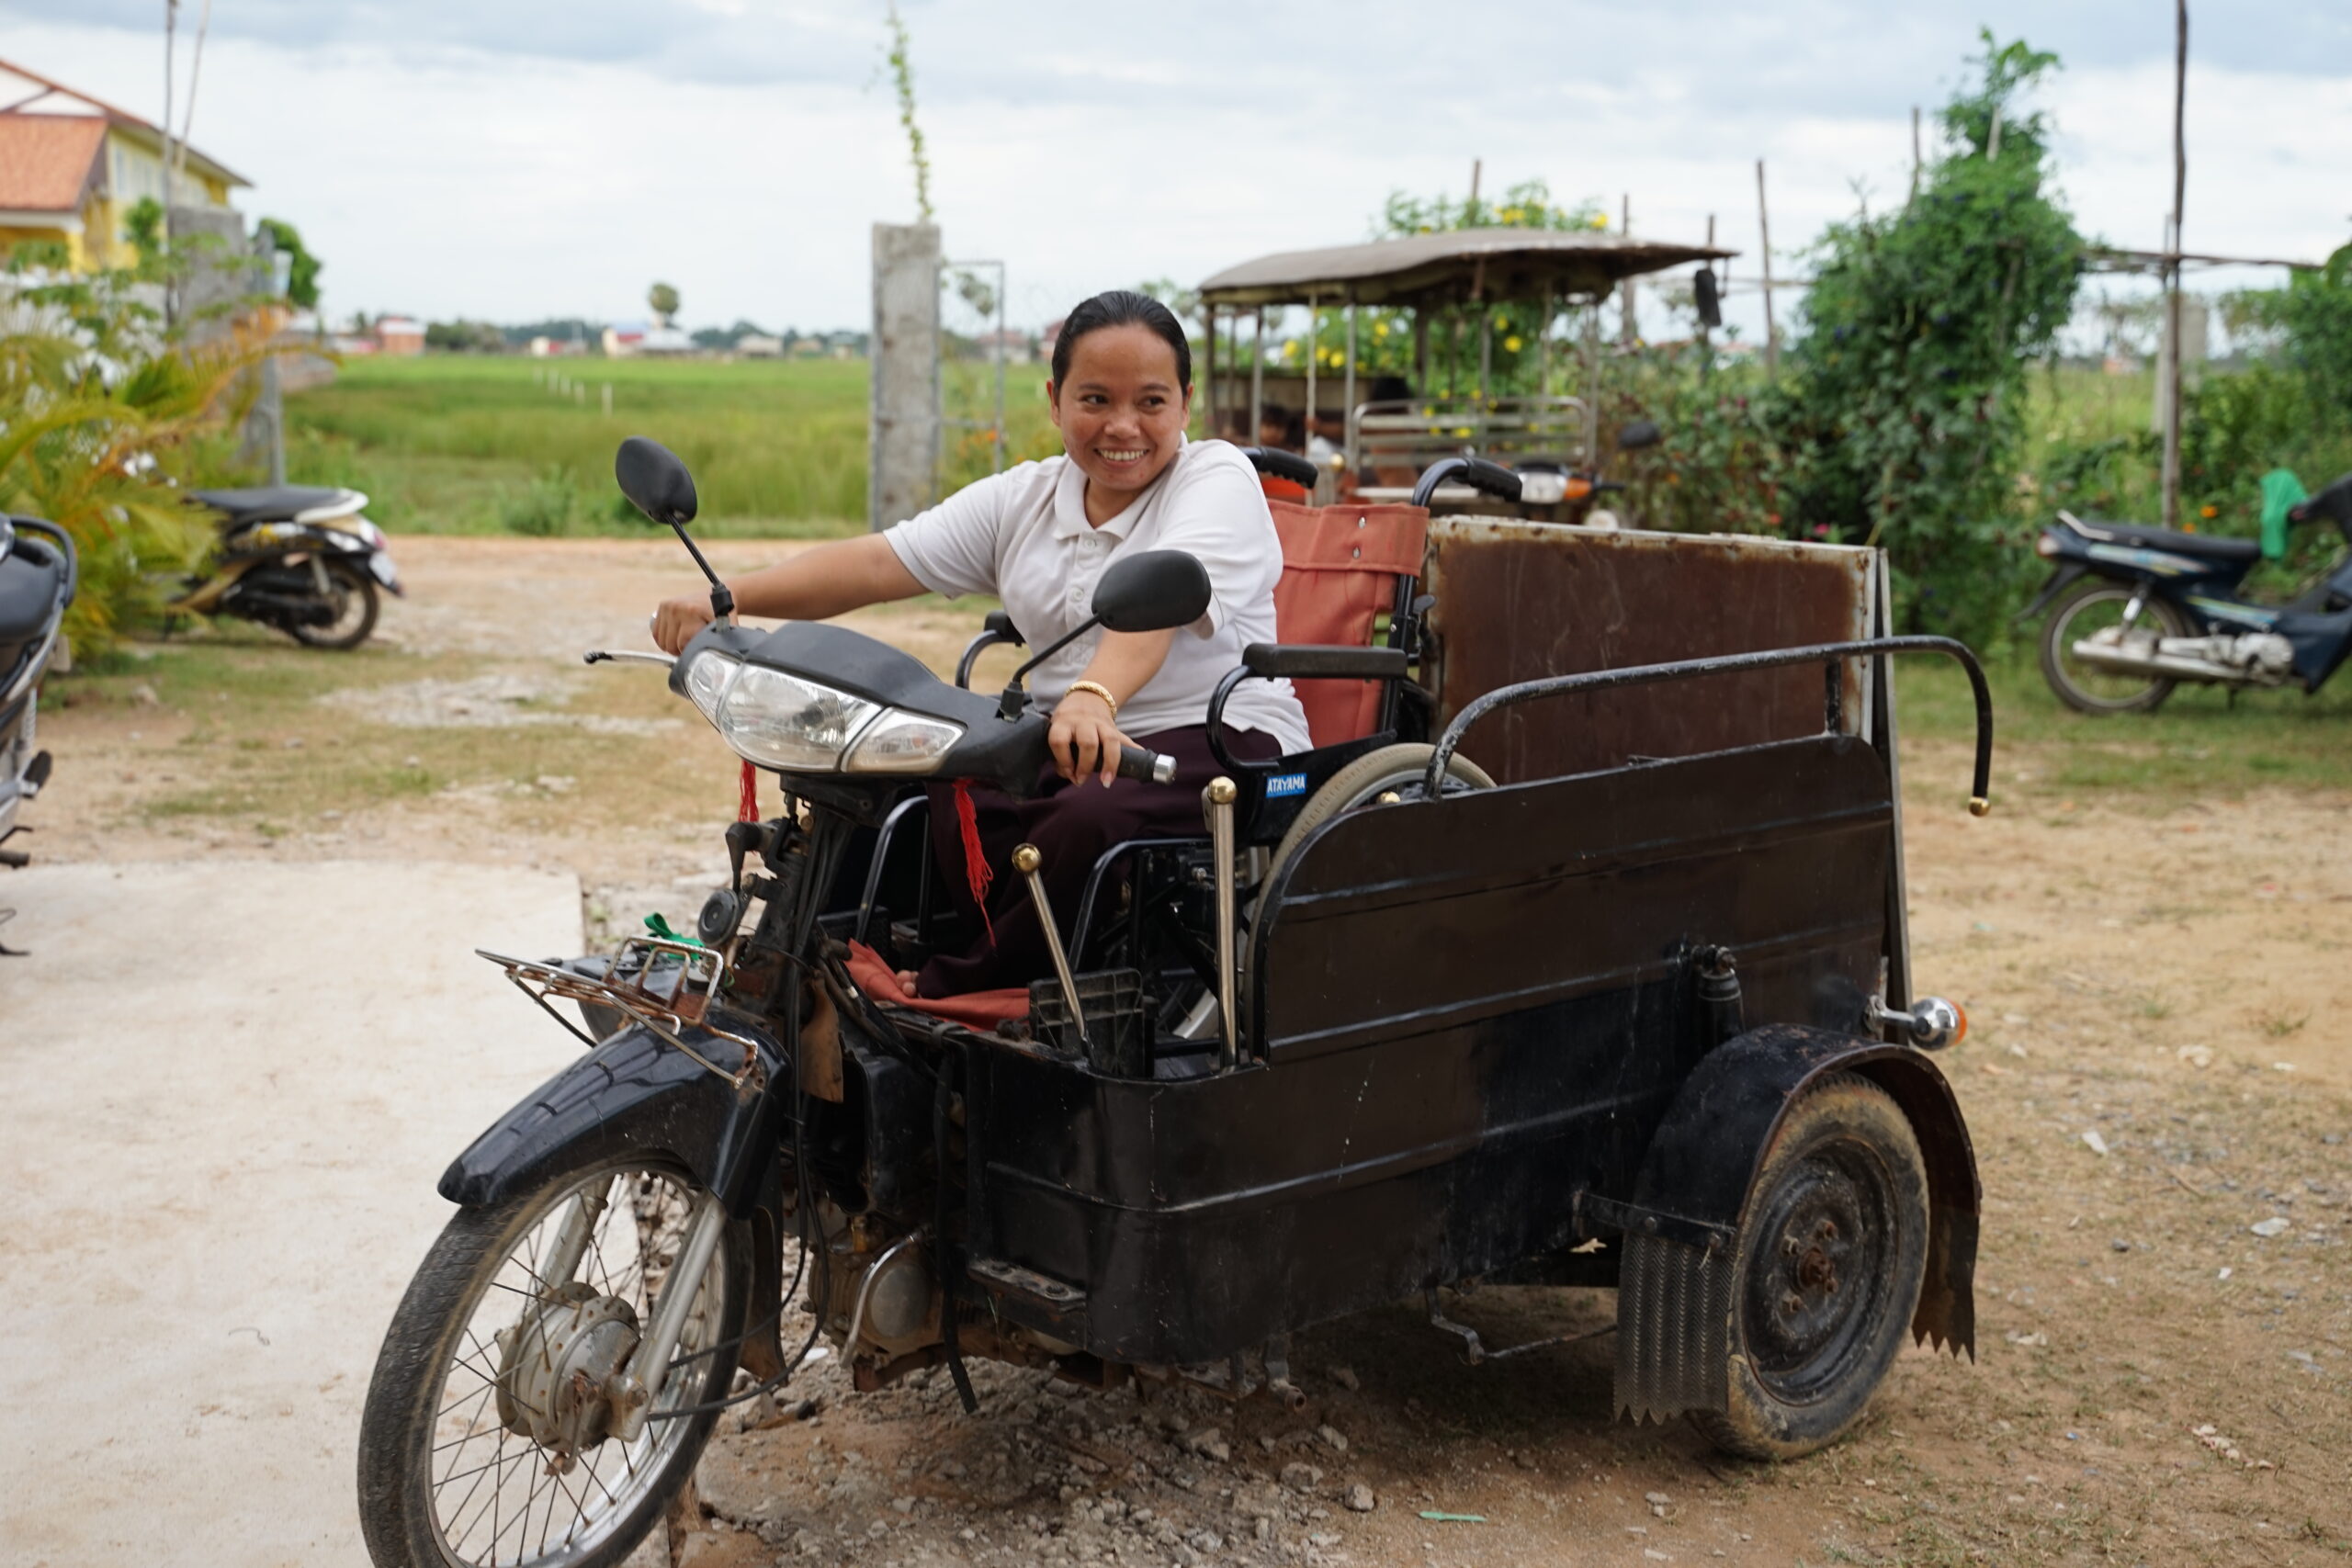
[
  {"x": 1574, "y": 952},
  {"x": 1397, "y": 427}
]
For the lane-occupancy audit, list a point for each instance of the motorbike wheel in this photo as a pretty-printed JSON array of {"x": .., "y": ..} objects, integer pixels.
[
  {"x": 2093, "y": 608},
  {"x": 481, "y": 1348},
  {"x": 353, "y": 593},
  {"x": 1399, "y": 769},
  {"x": 1831, "y": 1258}
]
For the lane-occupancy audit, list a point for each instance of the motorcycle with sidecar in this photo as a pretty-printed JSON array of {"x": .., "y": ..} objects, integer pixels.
[{"x": 1633, "y": 1009}]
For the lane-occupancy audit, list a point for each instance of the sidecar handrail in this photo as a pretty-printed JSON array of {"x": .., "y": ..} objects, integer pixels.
[{"x": 1980, "y": 799}]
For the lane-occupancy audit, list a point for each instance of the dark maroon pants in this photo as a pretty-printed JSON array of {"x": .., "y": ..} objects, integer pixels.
[{"x": 1071, "y": 825}]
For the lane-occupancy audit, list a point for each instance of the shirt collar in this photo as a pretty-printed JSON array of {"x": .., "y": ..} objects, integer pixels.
[{"x": 1070, "y": 500}]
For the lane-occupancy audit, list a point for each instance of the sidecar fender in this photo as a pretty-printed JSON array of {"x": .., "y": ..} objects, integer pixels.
[{"x": 1682, "y": 1224}]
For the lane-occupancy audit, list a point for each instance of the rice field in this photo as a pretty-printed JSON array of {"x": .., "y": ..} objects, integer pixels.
[{"x": 457, "y": 444}]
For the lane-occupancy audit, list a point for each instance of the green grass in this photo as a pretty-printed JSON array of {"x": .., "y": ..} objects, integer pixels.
[
  {"x": 453, "y": 444},
  {"x": 2198, "y": 744}
]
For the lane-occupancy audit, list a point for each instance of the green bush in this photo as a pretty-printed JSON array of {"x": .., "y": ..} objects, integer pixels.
[{"x": 543, "y": 509}]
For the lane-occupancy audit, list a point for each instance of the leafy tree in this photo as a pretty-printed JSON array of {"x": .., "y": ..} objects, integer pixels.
[
  {"x": 1904, "y": 403},
  {"x": 302, "y": 278},
  {"x": 663, "y": 299},
  {"x": 464, "y": 337}
]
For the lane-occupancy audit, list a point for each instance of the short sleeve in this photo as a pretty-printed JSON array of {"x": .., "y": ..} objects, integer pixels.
[
  {"x": 952, "y": 548},
  {"x": 1220, "y": 517}
]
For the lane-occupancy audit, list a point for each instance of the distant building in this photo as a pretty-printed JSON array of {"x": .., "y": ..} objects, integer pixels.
[
  {"x": 556, "y": 348},
  {"x": 1049, "y": 335},
  {"x": 627, "y": 340},
  {"x": 759, "y": 346},
  {"x": 72, "y": 168},
  {"x": 400, "y": 335}
]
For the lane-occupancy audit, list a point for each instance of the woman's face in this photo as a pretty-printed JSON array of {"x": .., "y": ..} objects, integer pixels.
[{"x": 1121, "y": 411}]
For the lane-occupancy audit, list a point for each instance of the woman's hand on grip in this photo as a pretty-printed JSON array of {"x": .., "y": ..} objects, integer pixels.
[
  {"x": 1085, "y": 739},
  {"x": 675, "y": 621}
]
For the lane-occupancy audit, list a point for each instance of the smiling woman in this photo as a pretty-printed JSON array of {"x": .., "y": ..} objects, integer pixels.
[{"x": 1040, "y": 536}]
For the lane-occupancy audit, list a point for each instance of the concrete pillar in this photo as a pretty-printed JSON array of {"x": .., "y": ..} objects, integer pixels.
[{"x": 902, "y": 437}]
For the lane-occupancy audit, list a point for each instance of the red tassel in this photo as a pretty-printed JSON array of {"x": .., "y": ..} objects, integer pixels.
[
  {"x": 747, "y": 802},
  {"x": 978, "y": 874}
]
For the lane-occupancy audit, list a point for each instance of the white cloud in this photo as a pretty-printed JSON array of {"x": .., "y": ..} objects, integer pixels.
[{"x": 520, "y": 160}]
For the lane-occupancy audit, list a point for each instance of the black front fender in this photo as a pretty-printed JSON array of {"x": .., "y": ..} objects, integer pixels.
[
  {"x": 1692, "y": 1190},
  {"x": 635, "y": 1094},
  {"x": 2066, "y": 575}
]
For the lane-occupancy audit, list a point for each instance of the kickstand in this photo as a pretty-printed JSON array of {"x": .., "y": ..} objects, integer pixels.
[{"x": 5, "y": 951}]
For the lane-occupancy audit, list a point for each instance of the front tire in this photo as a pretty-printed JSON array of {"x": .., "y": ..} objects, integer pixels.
[
  {"x": 2089, "y": 609},
  {"x": 1832, "y": 1250},
  {"x": 352, "y": 593},
  {"x": 444, "y": 1479}
]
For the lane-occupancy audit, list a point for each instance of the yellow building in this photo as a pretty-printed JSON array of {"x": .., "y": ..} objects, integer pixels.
[{"x": 72, "y": 168}]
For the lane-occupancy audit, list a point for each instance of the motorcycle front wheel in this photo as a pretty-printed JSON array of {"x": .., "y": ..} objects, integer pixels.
[
  {"x": 2089, "y": 610},
  {"x": 353, "y": 595},
  {"x": 485, "y": 1440}
]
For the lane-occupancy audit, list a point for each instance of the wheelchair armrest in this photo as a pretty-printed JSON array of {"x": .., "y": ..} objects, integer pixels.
[{"x": 1311, "y": 662}]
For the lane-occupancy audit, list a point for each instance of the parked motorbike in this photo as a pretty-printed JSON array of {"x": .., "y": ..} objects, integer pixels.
[
  {"x": 298, "y": 557},
  {"x": 38, "y": 574},
  {"x": 2139, "y": 611}
]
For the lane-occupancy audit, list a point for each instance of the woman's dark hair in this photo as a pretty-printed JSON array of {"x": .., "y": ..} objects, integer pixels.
[{"x": 1119, "y": 307}]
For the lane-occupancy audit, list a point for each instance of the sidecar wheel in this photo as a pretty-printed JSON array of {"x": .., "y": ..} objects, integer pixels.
[
  {"x": 1400, "y": 768},
  {"x": 480, "y": 1346},
  {"x": 1831, "y": 1253}
]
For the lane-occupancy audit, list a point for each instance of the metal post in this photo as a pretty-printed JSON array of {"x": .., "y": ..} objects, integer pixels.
[
  {"x": 1422, "y": 349},
  {"x": 1347, "y": 390},
  {"x": 1217, "y": 801},
  {"x": 2171, "y": 368},
  {"x": 1002, "y": 290},
  {"x": 1486, "y": 349},
  {"x": 1764, "y": 231},
  {"x": 1026, "y": 860},
  {"x": 1257, "y": 375}
]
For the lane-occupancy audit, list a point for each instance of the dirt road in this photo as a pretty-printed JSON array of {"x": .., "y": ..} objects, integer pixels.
[{"x": 2160, "y": 1062}]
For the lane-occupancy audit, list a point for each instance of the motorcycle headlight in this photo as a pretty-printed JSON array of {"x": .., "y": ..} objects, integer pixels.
[
  {"x": 783, "y": 721},
  {"x": 707, "y": 679},
  {"x": 903, "y": 743}
]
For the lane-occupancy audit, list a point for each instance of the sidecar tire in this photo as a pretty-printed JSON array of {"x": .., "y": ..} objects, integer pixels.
[
  {"x": 1401, "y": 766},
  {"x": 398, "y": 1425},
  {"x": 1844, "y": 1160}
]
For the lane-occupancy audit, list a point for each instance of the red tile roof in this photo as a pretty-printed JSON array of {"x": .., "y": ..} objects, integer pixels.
[{"x": 48, "y": 162}]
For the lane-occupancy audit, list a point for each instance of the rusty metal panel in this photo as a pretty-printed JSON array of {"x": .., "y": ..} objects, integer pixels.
[{"x": 1517, "y": 601}]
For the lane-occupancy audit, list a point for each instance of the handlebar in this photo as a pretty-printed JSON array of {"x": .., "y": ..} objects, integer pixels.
[
  {"x": 625, "y": 656},
  {"x": 1146, "y": 766}
]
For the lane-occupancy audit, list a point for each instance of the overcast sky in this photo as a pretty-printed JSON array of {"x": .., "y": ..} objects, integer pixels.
[{"x": 516, "y": 159}]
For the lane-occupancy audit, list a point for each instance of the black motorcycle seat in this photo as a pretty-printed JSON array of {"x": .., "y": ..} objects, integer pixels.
[
  {"x": 2213, "y": 547},
  {"x": 268, "y": 503},
  {"x": 28, "y": 589}
]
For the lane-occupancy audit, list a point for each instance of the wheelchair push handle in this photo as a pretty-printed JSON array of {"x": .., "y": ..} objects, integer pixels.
[
  {"x": 1278, "y": 464},
  {"x": 1146, "y": 766},
  {"x": 1476, "y": 472}
]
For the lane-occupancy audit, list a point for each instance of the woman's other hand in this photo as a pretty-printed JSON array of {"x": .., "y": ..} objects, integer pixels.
[
  {"x": 1084, "y": 740},
  {"x": 676, "y": 621}
]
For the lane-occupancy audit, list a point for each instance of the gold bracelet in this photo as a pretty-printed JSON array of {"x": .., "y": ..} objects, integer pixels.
[{"x": 1100, "y": 690}]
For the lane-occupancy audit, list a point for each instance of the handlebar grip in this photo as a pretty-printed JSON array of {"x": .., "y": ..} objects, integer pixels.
[
  {"x": 1145, "y": 767},
  {"x": 1282, "y": 465},
  {"x": 1492, "y": 478}
]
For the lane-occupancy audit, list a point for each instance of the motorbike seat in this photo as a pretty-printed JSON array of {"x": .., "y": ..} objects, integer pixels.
[
  {"x": 2213, "y": 547},
  {"x": 31, "y": 579},
  {"x": 268, "y": 503}
]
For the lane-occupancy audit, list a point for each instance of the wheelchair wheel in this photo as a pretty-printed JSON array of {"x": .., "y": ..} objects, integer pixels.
[{"x": 1395, "y": 771}]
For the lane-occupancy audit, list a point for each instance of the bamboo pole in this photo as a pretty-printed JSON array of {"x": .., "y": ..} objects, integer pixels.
[
  {"x": 1628, "y": 332},
  {"x": 2171, "y": 368},
  {"x": 1764, "y": 230}
]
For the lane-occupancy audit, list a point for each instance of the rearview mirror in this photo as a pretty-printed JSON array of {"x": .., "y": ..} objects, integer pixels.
[
  {"x": 1152, "y": 592},
  {"x": 1639, "y": 433},
  {"x": 655, "y": 481}
]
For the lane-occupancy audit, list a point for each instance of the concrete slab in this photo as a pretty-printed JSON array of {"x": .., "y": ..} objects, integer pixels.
[{"x": 226, "y": 1091}]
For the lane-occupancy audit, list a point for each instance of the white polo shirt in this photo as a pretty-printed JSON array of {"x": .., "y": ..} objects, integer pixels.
[{"x": 1023, "y": 535}]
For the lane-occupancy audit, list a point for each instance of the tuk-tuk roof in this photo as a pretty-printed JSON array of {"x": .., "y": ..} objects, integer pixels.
[{"x": 1462, "y": 264}]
